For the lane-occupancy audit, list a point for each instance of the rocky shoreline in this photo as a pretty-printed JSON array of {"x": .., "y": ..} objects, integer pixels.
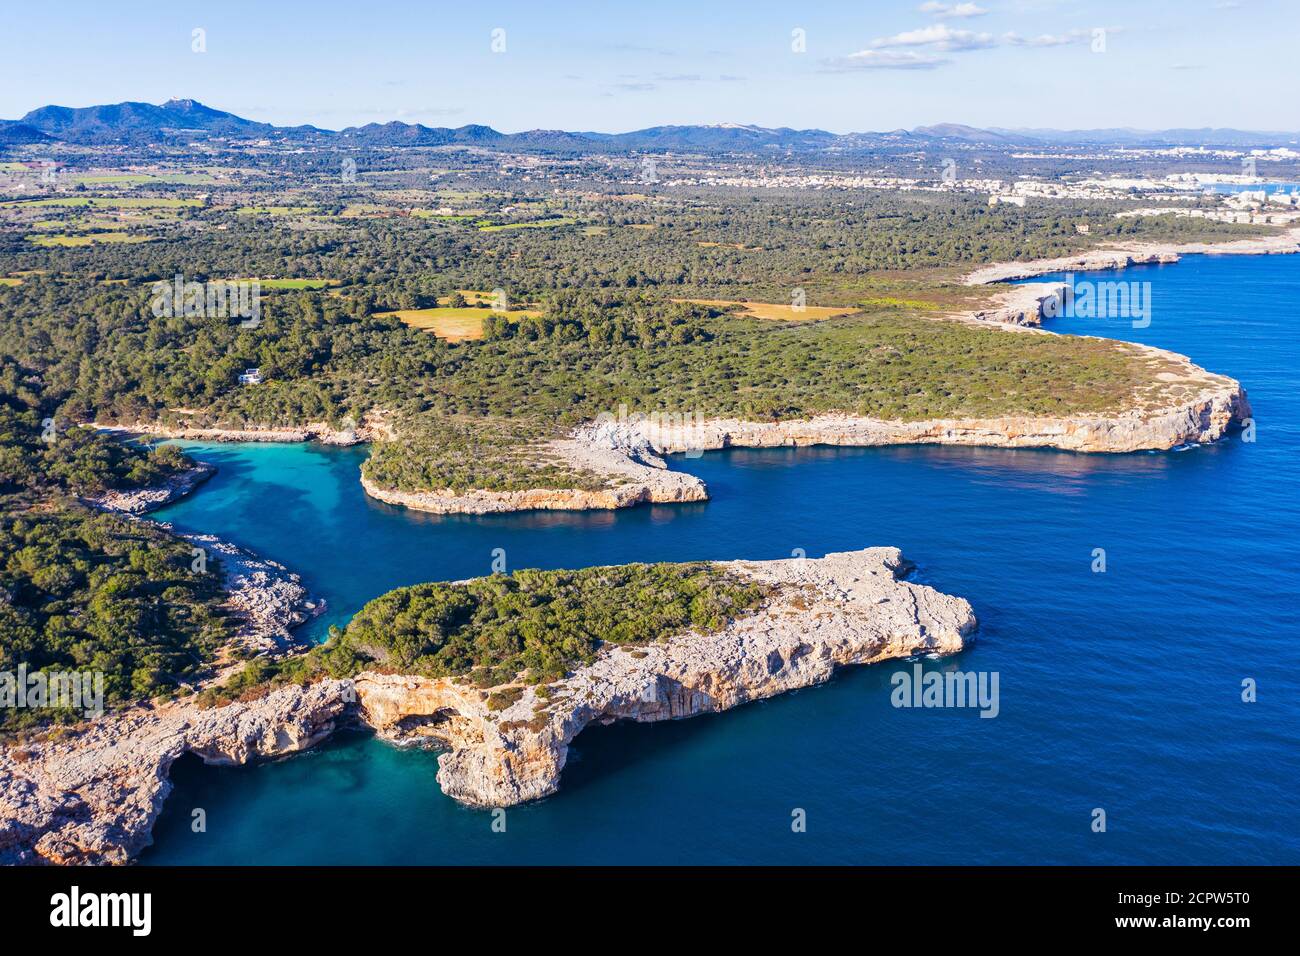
[
  {"x": 371, "y": 429},
  {"x": 267, "y": 598},
  {"x": 92, "y": 796},
  {"x": 140, "y": 501},
  {"x": 92, "y": 793},
  {"x": 844, "y": 609},
  {"x": 1188, "y": 405},
  {"x": 1122, "y": 255}
]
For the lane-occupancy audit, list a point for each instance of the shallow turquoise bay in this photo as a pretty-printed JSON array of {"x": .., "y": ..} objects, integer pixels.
[{"x": 1118, "y": 690}]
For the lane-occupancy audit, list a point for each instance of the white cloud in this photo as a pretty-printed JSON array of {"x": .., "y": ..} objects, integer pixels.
[
  {"x": 887, "y": 60},
  {"x": 952, "y": 9},
  {"x": 921, "y": 49},
  {"x": 1049, "y": 39},
  {"x": 939, "y": 37}
]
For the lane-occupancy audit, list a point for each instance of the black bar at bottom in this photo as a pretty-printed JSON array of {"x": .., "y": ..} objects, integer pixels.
[{"x": 329, "y": 905}]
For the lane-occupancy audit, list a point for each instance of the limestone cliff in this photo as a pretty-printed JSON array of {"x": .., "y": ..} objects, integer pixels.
[
  {"x": 92, "y": 795},
  {"x": 1122, "y": 255},
  {"x": 139, "y": 501},
  {"x": 846, "y": 608}
]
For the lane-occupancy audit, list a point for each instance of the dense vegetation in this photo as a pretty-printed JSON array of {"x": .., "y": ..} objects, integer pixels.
[
  {"x": 465, "y": 411},
  {"x": 530, "y": 625},
  {"x": 40, "y": 453},
  {"x": 81, "y": 591},
  {"x": 604, "y": 265}
]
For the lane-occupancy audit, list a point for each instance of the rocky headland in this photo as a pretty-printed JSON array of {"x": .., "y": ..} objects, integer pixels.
[
  {"x": 846, "y": 608},
  {"x": 1122, "y": 255},
  {"x": 91, "y": 795},
  {"x": 1183, "y": 404},
  {"x": 634, "y": 472},
  {"x": 373, "y": 427},
  {"x": 139, "y": 501}
]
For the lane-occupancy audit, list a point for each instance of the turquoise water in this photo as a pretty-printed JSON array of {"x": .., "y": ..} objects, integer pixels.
[
  {"x": 1118, "y": 690},
  {"x": 1270, "y": 187}
]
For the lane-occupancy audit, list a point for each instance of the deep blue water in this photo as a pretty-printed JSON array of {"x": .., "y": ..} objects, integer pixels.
[
  {"x": 1270, "y": 187},
  {"x": 1119, "y": 690}
]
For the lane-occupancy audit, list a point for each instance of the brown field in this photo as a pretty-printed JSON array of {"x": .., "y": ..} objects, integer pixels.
[
  {"x": 454, "y": 325},
  {"x": 778, "y": 311},
  {"x": 472, "y": 296}
]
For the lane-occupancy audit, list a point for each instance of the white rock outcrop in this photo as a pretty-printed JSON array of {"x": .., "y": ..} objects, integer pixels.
[
  {"x": 139, "y": 501},
  {"x": 846, "y": 608},
  {"x": 92, "y": 794},
  {"x": 1120, "y": 256}
]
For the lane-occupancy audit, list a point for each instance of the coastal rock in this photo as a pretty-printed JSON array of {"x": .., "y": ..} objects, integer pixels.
[
  {"x": 91, "y": 796},
  {"x": 1137, "y": 253},
  {"x": 268, "y": 599},
  {"x": 1025, "y": 304},
  {"x": 846, "y": 608},
  {"x": 138, "y": 501}
]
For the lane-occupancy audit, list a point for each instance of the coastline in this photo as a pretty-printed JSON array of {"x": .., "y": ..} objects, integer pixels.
[
  {"x": 135, "y": 502},
  {"x": 1205, "y": 407},
  {"x": 1201, "y": 407},
  {"x": 1122, "y": 255},
  {"x": 312, "y": 431},
  {"x": 1192, "y": 406},
  {"x": 92, "y": 795},
  {"x": 265, "y": 596}
]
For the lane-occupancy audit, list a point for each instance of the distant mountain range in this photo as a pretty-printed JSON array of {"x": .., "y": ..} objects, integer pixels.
[{"x": 188, "y": 120}]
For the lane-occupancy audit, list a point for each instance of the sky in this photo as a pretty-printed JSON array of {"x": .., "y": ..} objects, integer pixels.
[{"x": 617, "y": 66}]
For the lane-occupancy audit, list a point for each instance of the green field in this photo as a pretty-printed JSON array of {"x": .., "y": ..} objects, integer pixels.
[
  {"x": 277, "y": 210},
  {"x": 292, "y": 283},
  {"x": 90, "y": 239},
  {"x": 107, "y": 202},
  {"x": 535, "y": 224}
]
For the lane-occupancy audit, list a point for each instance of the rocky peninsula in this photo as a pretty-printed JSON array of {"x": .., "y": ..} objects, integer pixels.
[
  {"x": 1120, "y": 256},
  {"x": 846, "y": 608},
  {"x": 266, "y": 598},
  {"x": 1181, "y": 404},
  {"x": 92, "y": 795},
  {"x": 139, "y": 501}
]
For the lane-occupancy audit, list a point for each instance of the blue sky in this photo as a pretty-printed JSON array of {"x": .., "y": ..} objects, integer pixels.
[{"x": 619, "y": 66}]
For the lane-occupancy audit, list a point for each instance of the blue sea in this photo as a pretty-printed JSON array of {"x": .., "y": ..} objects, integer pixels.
[
  {"x": 1119, "y": 691},
  {"x": 1269, "y": 187}
]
